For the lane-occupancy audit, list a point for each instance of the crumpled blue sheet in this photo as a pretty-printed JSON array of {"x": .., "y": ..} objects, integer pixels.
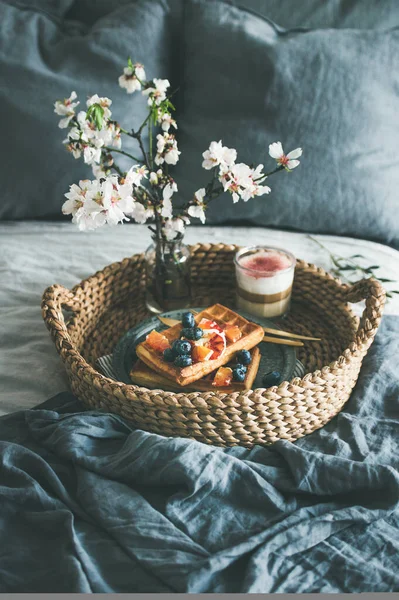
[{"x": 89, "y": 504}]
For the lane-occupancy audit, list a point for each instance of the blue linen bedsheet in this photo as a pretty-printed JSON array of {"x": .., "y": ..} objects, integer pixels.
[{"x": 90, "y": 504}]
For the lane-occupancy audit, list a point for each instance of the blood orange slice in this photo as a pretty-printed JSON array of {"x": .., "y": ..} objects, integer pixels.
[
  {"x": 157, "y": 341},
  {"x": 217, "y": 342},
  {"x": 223, "y": 377},
  {"x": 207, "y": 324}
]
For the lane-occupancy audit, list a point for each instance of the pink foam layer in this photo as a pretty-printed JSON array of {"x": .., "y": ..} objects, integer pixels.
[{"x": 265, "y": 264}]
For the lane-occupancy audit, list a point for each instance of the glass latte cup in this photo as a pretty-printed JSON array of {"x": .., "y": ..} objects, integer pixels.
[{"x": 264, "y": 277}]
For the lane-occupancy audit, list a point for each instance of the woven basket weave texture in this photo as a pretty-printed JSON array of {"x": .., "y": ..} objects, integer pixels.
[{"x": 87, "y": 322}]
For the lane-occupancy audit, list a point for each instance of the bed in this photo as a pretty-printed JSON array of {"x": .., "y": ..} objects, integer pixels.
[{"x": 91, "y": 504}]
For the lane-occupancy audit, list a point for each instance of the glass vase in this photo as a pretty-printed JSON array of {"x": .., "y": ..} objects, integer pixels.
[{"x": 168, "y": 284}]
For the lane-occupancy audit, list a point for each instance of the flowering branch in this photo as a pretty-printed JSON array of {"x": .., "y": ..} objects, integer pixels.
[{"x": 143, "y": 193}]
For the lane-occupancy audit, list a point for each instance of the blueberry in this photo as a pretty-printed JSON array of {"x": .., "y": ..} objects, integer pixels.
[
  {"x": 241, "y": 367},
  {"x": 187, "y": 333},
  {"x": 181, "y": 347},
  {"x": 188, "y": 320},
  {"x": 272, "y": 378},
  {"x": 197, "y": 333},
  {"x": 243, "y": 357},
  {"x": 191, "y": 333},
  {"x": 239, "y": 374},
  {"x": 169, "y": 355},
  {"x": 183, "y": 361}
]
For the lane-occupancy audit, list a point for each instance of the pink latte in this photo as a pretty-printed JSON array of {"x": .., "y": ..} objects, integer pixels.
[{"x": 264, "y": 280}]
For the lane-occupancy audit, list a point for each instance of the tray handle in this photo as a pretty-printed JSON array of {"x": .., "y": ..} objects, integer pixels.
[
  {"x": 374, "y": 294},
  {"x": 55, "y": 298}
]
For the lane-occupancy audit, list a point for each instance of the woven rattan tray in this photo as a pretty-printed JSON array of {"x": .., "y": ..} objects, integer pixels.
[{"x": 104, "y": 306}]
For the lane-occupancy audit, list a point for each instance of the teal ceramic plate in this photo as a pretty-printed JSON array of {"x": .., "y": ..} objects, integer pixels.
[{"x": 274, "y": 357}]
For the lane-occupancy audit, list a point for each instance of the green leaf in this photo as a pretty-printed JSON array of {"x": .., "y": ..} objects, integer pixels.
[
  {"x": 95, "y": 114},
  {"x": 384, "y": 280},
  {"x": 357, "y": 256},
  {"x": 130, "y": 64},
  {"x": 347, "y": 268},
  {"x": 170, "y": 105},
  {"x": 394, "y": 292},
  {"x": 373, "y": 267},
  {"x": 98, "y": 119}
]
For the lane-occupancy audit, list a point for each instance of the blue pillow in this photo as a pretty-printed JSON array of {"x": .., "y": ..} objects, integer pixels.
[
  {"x": 44, "y": 57},
  {"x": 317, "y": 14},
  {"x": 332, "y": 92}
]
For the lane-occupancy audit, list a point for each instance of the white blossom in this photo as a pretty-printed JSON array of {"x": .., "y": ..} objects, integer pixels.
[
  {"x": 73, "y": 134},
  {"x": 172, "y": 155},
  {"x": 173, "y": 227},
  {"x": 200, "y": 195},
  {"x": 113, "y": 136},
  {"x": 166, "y": 149},
  {"x": 166, "y": 121},
  {"x": 167, "y": 193},
  {"x": 132, "y": 78},
  {"x": 87, "y": 138},
  {"x": 157, "y": 91},
  {"x": 98, "y": 171},
  {"x": 161, "y": 142},
  {"x": 167, "y": 209},
  {"x": 74, "y": 148},
  {"x": 89, "y": 131},
  {"x": 288, "y": 161},
  {"x": 153, "y": 178},
  {"x": 106, "y": 201},
  {"x": 86, "y": 212},
  {"x": 88, "y": 221},
  {"x": 91, "y": 154},
  {"x": 217, "y": 154},
  {"x": 85, "y": 127},
  {"x": 135, "y": 174},
  {"x": 115, "y": 204},
  {"x": 105, "y": 103},
  {"x": 197, "y": 210},
  {"x": 242, "y": 181},
  {"x": 65, "y": 108},
  {"x": 141, "y": 214},
  {"x": 76, "y": 197}
]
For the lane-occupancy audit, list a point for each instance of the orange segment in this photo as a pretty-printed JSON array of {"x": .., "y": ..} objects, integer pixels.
[
  {"x": 157, "y": 341},
  {"x": 233, "y": 333},
  {"x": 223, "y": 377},
  {"x": 201, "y": 353}
]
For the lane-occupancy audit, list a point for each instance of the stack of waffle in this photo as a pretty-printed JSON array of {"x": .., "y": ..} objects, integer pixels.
[{"x": 151, "y": 370}]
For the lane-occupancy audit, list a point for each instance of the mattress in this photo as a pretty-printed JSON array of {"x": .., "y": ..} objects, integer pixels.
[{"x": 34, "y": 255}]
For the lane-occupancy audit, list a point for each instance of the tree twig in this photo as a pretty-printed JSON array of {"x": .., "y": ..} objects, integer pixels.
[
  {"x": 344, "y": 265},
  {"x": 122, "y": 152}
]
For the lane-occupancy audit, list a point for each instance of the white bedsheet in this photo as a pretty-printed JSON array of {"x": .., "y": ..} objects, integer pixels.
[{"x": 36, "y": 255}]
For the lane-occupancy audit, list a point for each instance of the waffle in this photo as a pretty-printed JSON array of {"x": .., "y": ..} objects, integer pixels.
[
  {"x": 142, "y": 375},
  {"x": 252, "y": 335}
]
